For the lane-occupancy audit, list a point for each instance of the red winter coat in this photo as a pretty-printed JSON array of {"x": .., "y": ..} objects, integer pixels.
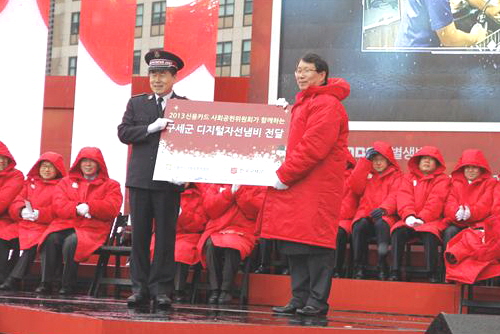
[
  {"x": 104, "y": 197},
  {"x": 350, "y": 200},
  {"x": 39, "y": 193},
  {"x": 424, "y": 196},
  {"x": 478, "y": 195},
  {"x": 377, "y": 190},
  {"x": 308, "y": 211},
  {"x": 190, "y": 224},
  {"x": 231, "y": 218},
  {"x": 11, "y": 183},
  {"x": 477, "y": 254}
]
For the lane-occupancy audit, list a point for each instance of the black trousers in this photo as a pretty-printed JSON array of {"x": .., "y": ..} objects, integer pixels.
[
  {"x": 311, "y": 276},
  {"x": 181, "y": 274},
  {"x": 342, "y": 239},
  {"x": 399, "y": 239},
  {"x": 162, "y": 207},
  {"x": 449, "y": 233},
  {"x": 222, "y": 266},
  {"x": 24, "y": 263},
  {"x": 365, "y": 229},
  {"x": 5, "y": 247},
  {"x": 60, "y": 247}
]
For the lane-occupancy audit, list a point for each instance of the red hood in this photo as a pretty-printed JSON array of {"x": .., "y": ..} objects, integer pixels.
[
  {"x": 386, "y": 150},
  {"x": 472, "y": 157},
  {"x": 90, "y": 153},
  {"x": 337, "y": 87},
  {"x": 5, "y": 151},
  {"x": 430, "y": 151},
  {"x": 55, "y": 158}
]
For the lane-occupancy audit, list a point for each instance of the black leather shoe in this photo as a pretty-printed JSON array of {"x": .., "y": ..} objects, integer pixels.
[
  {"x": 137, "y": 299},
  {"x": 359, "y": 273},
  {"x": 434, "y": 278},
  {"x": 287, "y": 309},
  {"x": 180, "y": 296},
  {"x": 285, "y": 271},
  {"x": 66, "y": 291},
  {"x": 163, "y": 301},
  {"x": 311, "y": 311},
  {"x": 214, "y": 297},
  {"x": 10, "y": 284},
  {"x": 44, "y": 288},
  {"x": 225, "y": 297}
]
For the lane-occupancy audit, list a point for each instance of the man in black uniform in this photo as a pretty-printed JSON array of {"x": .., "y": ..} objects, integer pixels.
[{"x": 150, "y": 200}]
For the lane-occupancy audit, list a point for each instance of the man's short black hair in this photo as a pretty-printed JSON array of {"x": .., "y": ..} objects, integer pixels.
[{"x": 319, "y": 63}]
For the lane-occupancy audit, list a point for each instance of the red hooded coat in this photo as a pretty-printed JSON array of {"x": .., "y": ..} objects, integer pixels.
[
  {"x": 308, "y": 211},
  {"x": 39, "y": 193},
  {"x": 190, "y": 224},
  {"x": 478, "y": 195},
  {"x": 11, "y": 183},
  {"x": 350, "y": 200},
  {"x": 424, "y": 196},
  {"x": 231, "y": 218},
  {"x": 103, "y": 196},
  {"x": 376, "y": 190}
]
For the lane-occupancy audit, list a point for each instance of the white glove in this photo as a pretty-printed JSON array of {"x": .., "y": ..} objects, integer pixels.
[
  {"x": 36, "y": 213},
  {"x": 410, "y": 221},
  {"x": 234, "y": 188},
  {"x": 418, "y": 222},
  {"x": 460, "y": 213},
  {"x": 466, "y": 213},
  {"x": 278, "y": 185},
  {"x": 281, "y": 102},
  {"x": 87, "y": 215},
  {"x": 159, "y": 124},
  {"x": 26, "y": 214},
  {"x": 82, "y": 209}
]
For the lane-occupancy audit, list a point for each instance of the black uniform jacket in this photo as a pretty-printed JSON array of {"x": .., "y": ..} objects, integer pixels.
[{"x": 142, "y": 111}]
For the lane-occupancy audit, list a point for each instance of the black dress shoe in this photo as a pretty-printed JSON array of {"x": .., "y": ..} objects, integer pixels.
[
  {"x": 44, "y": 288},
  {"x": 394, "y": 276},
  {"x": 10, "y": 284},
  {"x": 180, "y": 296},
  {"x": 214, "y": 297},
  {"x": 225, "y": 298},
  {"x": 359, "y": 273},
  {"x": 262, "y": 270},
  {"x": 137, "y": 299},
  {"x": 285, "y": 271},
  {"x": 434, "y": 278},
  {"x": 66, "y": 291},
  {"x": 287, "y": 309},
  {"x": 311, "y": 311},
  {"x": 163, "y": 301}
]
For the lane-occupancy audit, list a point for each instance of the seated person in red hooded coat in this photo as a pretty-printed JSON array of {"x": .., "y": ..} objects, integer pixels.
[
  {"x": 350, "y": 202},
  {"x": 474, "y": 254},
  {"x": 190, "y": 226},
  {"x": 33, "y": 211},
  {"x": 229, "y": 236},
  {"x": 11, "y": 183},
  {"x": 471, "y": 196},
  {"x": 86, "y": 203},
  {"x": 376, "y": 180},
  {"x": 421, "y": 200}
]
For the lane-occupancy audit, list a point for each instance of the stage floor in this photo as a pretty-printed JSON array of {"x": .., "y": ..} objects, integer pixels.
[{"x": 24, "y": 312}]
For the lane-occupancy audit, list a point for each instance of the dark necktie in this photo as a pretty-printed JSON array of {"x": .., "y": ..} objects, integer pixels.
[{"x": 160, "y": 107}]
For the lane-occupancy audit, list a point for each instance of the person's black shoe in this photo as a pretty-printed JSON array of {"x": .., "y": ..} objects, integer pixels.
[
  {"x": 285, "y": 271},
  {"x": 137, "y": 299},
  {"x": 262, "y": 270},
  {"x": 394, "y": 276},
  {"x": 359, "y": 273},
  {"x": 225, "y": 297},
  {"x": 66, "y": 291},
  {"x": 10, "y": 284},
  {"x": 434, "y": 278},
  {"x": 311, "y": 311},
  {"x": 214, "y": 297},
  {"x": 382, "y": 273},
  {"x": 163, "y": 301},
  {"x": 287, "y": 309},
  {"x": 336, "y": 274},
  {"x": 44, "y": 288},
  {"x": 180, "y": 296}
]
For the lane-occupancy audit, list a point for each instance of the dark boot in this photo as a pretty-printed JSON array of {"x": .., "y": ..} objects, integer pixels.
[
  {"x": 359, "y": 272},
  {"x": 395, "y": 276},
  {"x": 214, "y": 297},
  {"x": 10, "y": 284},
  {"x": 44, "y": 288}
]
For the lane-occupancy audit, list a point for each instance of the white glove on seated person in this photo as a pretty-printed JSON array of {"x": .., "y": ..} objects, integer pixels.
[
  {"x": 159, "y": 124},
  {"x": 82, "y": 209},
  {"x": 459, "y": 215},
  {"x": 278, "y": 185},
  {"x": 410, "y": 221},
  {"x": 466, "y": 212},
  {"x": 26, "y": 214}
]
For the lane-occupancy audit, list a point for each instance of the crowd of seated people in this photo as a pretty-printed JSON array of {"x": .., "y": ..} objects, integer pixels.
[{"x": 64, "y": 217}]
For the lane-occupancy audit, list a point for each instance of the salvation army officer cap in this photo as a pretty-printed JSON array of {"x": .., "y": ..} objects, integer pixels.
[{"x": 163, "y": 60}]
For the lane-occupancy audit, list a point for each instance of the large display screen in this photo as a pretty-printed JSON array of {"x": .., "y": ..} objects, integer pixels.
[{"x": 387, "y": 86}]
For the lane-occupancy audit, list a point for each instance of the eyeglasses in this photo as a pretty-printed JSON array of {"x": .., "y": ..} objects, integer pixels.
[{"x": 304, "y": 70}]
